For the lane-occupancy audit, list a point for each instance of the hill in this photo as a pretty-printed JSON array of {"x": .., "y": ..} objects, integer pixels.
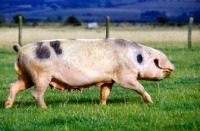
[{"x": 96, "y": 10}]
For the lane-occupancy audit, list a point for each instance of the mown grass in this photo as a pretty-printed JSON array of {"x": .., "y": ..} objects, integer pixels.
[{"x": 176, "y": 101}]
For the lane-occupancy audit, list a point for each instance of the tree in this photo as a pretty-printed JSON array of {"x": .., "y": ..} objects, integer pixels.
[
  {"x": 16, "y": 18},
  {"x": 72, "y": 20},
  {"x": 2, "y": 19},
  {"x": 161, "y": 19}
]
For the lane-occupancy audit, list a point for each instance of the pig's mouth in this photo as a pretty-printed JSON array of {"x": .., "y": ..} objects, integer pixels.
[{"x": 166, "y": 73}]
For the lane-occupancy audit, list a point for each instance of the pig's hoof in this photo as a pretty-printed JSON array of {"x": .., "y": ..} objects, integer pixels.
[
  {"x": 43, "y": 106},
  {"x": 102, "y": 103},
  {"x": 147, "y": 98},
  {"x": 7, "y": 105},
  {"x": 151, "y": 102},
  {"x": 148, "y": 101}
]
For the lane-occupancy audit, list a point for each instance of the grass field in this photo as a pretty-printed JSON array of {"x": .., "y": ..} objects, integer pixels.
[{"x": 176, "y": 99}]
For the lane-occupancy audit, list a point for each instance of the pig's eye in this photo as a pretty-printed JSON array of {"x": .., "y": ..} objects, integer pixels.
[
  {"x": 139, "y": 58},
  {"x": 156, "y": 63}
]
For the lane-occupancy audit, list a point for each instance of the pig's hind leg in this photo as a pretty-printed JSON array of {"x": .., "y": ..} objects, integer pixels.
[
  {"x": 40, "y": 87},
  {"x": 21, "y": 84}
]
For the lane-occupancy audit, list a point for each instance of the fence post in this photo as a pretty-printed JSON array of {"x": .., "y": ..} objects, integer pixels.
[
  {"x": 190, "y": 33},
  {"x": 20, "y": 31},
  {"x": 107, "y": 26}
]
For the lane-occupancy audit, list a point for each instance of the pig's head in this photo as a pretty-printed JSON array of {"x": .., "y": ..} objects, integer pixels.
[{"x": 153, "y": 64}]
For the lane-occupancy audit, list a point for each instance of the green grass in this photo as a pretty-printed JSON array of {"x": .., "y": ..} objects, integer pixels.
[{"x": 176, "y": 102}]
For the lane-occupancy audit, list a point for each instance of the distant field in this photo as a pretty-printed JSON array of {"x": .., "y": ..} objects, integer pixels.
[
  {"x": 176, "y": 99},
  {"x": 177, "y": 37}
]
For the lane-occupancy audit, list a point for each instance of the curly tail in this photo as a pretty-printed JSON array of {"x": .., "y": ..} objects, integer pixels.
[{"x": 16, "y": 47}]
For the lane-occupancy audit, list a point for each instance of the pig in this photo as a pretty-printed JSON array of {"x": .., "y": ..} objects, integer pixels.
[{"x": 79, "y": 63}]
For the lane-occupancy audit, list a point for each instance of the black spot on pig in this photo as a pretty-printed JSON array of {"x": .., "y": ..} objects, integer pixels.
[
  {"x": 39, "y": 44},
  {"x": 121, "y": 42},
  {"x": 56, "y": 46},
  {"x": 139, "y": 58},
  {"x": 42, "y": 52},
  {"x": 124, "y": 43}
]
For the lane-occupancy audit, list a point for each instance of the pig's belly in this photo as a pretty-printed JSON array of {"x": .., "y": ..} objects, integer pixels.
[{"x": 78, "y": 77}]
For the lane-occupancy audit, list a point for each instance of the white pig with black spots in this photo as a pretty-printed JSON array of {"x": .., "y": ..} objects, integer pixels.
[{"x": 79, "y": 63}]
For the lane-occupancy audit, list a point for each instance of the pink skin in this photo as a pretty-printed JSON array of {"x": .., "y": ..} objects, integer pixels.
[{"x": 100, "y": 63}]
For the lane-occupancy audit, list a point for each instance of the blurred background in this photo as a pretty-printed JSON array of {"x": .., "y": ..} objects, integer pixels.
[{"x": 76, "y": 12}]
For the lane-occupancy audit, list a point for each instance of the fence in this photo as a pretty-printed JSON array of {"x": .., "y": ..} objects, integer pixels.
[{"x": 190, "y": 25}]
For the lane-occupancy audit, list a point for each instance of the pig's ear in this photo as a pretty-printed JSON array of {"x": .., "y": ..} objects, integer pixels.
[
  {"x": 163, "y": 63},
  {"x": 159, "y": 59},
  {"x": 159, "y": 63}
]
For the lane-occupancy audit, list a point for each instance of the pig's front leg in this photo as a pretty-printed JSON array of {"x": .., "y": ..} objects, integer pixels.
[
  {"x": 140, "y": 89},
  {"x": 136, "y": 86},
  {"x": 105, "y": 91}
]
